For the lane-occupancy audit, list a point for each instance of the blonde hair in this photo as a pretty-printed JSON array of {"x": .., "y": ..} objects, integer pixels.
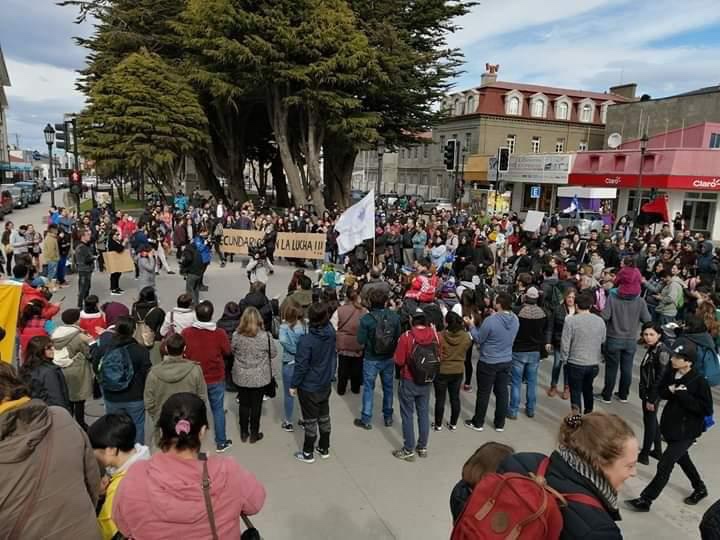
[
  {"x": 250, "y": 322},
  {"x": 597, "y": 438}
]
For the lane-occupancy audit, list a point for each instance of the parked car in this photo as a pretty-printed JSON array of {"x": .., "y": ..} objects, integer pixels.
[
  {"x": 437, "y": 204},
  {"x": 6, "y": 203},
  {"x": 17, "y": 195},
  {"x": 34, "y": 191},
  {"x": 356, "y": 195},
  {"x": 585, "y": 221}
]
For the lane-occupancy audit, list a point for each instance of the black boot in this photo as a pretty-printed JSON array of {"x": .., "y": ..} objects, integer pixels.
[
  {"x": 641, "y": 504},
  {"x": 696, "y": 496}
]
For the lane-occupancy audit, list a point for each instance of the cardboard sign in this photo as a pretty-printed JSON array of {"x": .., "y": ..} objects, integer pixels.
[
  {"x": 290, "y": 245},
  {"x": 118, "y": 262}
]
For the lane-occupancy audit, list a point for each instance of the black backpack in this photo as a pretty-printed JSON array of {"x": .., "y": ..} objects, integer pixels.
[
  {"x": 384, "y": 344},
  {"x": 424, "y": 361}
]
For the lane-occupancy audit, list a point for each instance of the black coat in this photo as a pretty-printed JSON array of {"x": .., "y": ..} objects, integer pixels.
[
  {"x": 684, "y": 414},
  {"x": 652, "y": 370},
  {"x": 140, "y": 357},
  {"x": 580, "y": 521},
  {"x": 47, "y": 383},
  {"x": 191, "y": 261},
  {"x": 263, "y": 305}
]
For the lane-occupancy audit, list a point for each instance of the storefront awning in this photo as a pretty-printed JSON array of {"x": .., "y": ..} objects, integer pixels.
[{"x": 630, "y": 181}]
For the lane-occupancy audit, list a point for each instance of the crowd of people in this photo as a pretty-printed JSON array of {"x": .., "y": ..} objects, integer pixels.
[{"x": 429, "y": 302}]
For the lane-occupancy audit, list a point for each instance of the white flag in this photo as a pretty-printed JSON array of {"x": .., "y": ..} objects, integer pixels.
[{"x": 356, "y": 224}]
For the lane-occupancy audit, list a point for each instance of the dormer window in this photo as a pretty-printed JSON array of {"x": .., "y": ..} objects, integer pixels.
[
  {"x": 514, "y": 103},
  {"x": 586, "y": 110},
  {"x": 470, "y": 105},
  {"x": 514, "y": 106},
  {"x": 538, "y": 105}
]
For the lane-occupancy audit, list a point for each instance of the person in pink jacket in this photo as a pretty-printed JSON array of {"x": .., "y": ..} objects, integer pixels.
[{"x": 162, "y": 498}]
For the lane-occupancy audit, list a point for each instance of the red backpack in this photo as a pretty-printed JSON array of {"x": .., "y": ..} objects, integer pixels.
[{"x": 513, "y": 506}]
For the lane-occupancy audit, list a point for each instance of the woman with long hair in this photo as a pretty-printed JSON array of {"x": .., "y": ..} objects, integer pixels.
[
  {"x": 291, "y": 330},
  {"x": 180, "y": 472},
  {"x": 7, "y": 246},
  {"x": 554, "y": 334},
  {"x": 45, "y": 380},
  {"x": 253, "y": 353},
  {"x": 346, "y": 321}
]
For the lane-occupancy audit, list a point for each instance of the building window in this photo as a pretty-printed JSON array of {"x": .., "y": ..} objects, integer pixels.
[
  {"x": 425, "y": 151},
  {"x": 535, "y": 145},
  {"x": 560, "y": 146},
  {"x": 603, "y": 113},
  {"x": 594, "y": 163},
  {"x": 619, "y": 163},
  {"x": 582, "y": 146},
  {"x": 510, "y": 143},
  {"x": 538, "y": 109},
  {"x": 459, "y": 107},
  {"x": 415, "y": 152},
  {"x": 439, "y": 180},
  {"x": 455, "y": 106},
  {"x": 402, "y": 153},
  {"x": 562, "y": 110},
  {"x": 470, "y": 105},
  {"x": 468, "y": 140},
  {"x": 586, "y": 113},
  {"x": 442, "y": 145},
  {"x": 715, "y": 140},
  {"x": 425, "y": 180},
  {"x": 514, "y": 106}
]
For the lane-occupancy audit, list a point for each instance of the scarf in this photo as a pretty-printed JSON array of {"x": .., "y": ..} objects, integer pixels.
[{"x": 595, "y": 477}]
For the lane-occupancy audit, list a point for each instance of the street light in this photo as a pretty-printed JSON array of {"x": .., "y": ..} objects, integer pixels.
[
  {"x": 380, "y": 154},
  {"x": 49, "y": 133},
  {"x": 643, "y": 148}
]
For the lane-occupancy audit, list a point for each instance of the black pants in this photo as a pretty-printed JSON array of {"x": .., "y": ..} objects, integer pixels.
[
  {"x": 9, "y": 260},
  {"x": 676, "y": 452},
  {"x": 78, "y": 411},
  {"x": 115, "y": 281},
  {"x": 250, "y": 410},
  {"x": 493, "y": 378},
  {"x": 216, "y": 243},
  {"x": 315, "y": 407},
  {"x": 468, "y": 366},
  {"x": 349, "y": 369},
  {"x": 651, "y": 431},
  {"x": 84, "y": 283},
  {"x": 447, "y": 384},
  {"x": 580, "y": 380},
  {"x": 101, "y": 261}
]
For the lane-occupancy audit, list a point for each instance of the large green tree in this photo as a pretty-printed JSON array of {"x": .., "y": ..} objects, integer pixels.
[{"x": 142, "y": 116}]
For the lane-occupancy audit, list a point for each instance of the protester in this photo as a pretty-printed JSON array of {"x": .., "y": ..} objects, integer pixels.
[
  {"x": 115, "y": 244},
  {"x": 253, "y": 370},
  {"x": 346, "y": 321},
  {"x": 291, "y": 330},
  {"x": 85, "y": 262},
  {"x": 44, "y": 379},
  {"x": 315, "y": 365},
  {"x": 555, "y": 327},
  {"x": 92, "y": 320},
  {"x": 180, "y": 471},
  {"x": 180, "y": 317},
  {"x": 228, "y": 322},
  {"x": 208, "y": 345},
  {"x": 455, "y": 342},
  {"x": 112, "y": 438}
]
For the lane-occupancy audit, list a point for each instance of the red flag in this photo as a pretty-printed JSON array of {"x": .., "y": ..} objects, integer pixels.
[{"x": 658, "y": 206}]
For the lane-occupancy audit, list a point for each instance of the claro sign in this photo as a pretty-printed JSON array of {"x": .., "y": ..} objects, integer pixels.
[
  {"x": 706, "y": 184},
  {"x": 612, "y": 181},
  {"x": 629, "y": 181}
]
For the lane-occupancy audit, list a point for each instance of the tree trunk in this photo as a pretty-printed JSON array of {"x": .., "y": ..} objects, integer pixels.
[
  {"x": 204, "y": 168},
  {"x": 278, "y": 112},
  {"x": 315, "y": 133},
  {"x": 282, "y": 196},
  {"x": 338, "y": 163}
]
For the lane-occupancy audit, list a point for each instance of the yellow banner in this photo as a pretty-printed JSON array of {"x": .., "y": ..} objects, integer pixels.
[
  {"x": 10, "y": 294},
  {"x": 290, "y": 245}
]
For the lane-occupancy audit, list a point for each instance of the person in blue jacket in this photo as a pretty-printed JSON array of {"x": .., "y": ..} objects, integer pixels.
[
  {"x": 315, "y": 363},
  {"x": 202, "y": 245}
]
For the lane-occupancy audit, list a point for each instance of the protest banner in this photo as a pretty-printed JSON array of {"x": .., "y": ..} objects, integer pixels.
[
  {"x": 288, "y": 245},
  {"x": 118, "y": 262}
]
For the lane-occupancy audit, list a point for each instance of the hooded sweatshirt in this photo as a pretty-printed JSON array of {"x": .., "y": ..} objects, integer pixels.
[
  {"x": 315, "y": 359},
  {"x": 177, "y": 318},
  {"x": 162, "y": 498},
  {"x": 495, "y": 337},
  {"x": 173, "y": 375},
  {"x": 207, "y": 345},
  {"x": 532, "y": 328},
  {"x": 72, "y": 355},
  {"x": 670, "y": 297},
  {"x": 421, "y": 335},
  {"x": 623, "y": 316},
  {"x": 90, "y": 322},
  {"x": 454, "y": 347}
]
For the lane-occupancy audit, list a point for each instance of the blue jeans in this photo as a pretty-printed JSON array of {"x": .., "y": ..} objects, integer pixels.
[
  {"x": 135, "y": 410},
  {"x": 288, "y": 401},
  {"x": 52, "y": 267},
  {"x": 371, "y": 369},
  {"x": 663, "y": 319},
  {"x": 557, "y": 366},
  {"x": 524, "y": 367},
  {"x": 216, "y": 397},
  {"x": 414, "y": 397},
  {"x": 618, "y": 353},
  {"x": 61, "y": 267}
]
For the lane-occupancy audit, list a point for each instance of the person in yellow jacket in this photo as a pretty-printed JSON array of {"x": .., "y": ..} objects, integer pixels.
[
  {"x": 112, "y": 438},
  {"x": 51, "y": 252}
]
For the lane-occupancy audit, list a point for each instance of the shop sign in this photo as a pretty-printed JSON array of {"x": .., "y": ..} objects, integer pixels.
[
  {"x": 681, "y": 182},
  {"x": 539, "y": 168}
]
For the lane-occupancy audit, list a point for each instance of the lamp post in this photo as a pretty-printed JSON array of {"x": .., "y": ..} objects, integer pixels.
[
  {"x": 49, "y": 133},
  {"x": 643, "y": 149},
  {"x": 380, "y": 154}
]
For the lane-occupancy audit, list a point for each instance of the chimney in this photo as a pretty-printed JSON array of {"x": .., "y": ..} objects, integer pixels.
[
  {"x": 490, "y": 75},
  {"x": 625, "y": 90}
]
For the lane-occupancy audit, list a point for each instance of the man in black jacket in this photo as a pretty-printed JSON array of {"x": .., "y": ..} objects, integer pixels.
[
  {"x": 192, "y": 267},
  {"x": 131, "y": 398},
  {"x": 85, "y": 261},
  {"x": 689, "y": 403}
]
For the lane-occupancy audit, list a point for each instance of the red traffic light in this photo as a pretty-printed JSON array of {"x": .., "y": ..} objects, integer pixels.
[{"x": 75, "y": 177}]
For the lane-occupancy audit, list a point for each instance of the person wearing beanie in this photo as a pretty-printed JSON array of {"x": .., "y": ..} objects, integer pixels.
[
  {"x": 72, "y": 351},
  {"x": 529, "y": 344},
  {"x": 683, "y": 421}
]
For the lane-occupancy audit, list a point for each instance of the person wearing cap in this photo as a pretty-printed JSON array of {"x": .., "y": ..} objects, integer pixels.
[
  {"x": 527, "y": 347},
  {"x": 689, "y": 405},
  {"x": 414, "y": 397}
]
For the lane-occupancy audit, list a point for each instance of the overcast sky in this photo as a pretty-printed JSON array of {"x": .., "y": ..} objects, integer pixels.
[{"x": 665, "y": 46}]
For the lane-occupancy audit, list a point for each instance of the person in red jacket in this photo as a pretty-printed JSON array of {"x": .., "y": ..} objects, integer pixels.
[
  {"x": 30, "y": 293},
  {"x": 414, "y": 396},
  {"x": 208, "y": 345}
]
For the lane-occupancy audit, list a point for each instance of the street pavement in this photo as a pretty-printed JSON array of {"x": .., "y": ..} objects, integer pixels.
[{"x": 362, "y": 491}]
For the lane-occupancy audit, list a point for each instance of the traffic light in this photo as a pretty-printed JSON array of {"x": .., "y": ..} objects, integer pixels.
[
  {"x": 63, "y": 139},
  {"x": 450, "y": 154},
  {"x": 503, "y": 159},
  {"x": 75, "y": 182}
]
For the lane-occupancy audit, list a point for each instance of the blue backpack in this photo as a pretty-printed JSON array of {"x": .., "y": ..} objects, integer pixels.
[
  {"x": 116, "y": 370},
  {"x": 708, "y": 365}
]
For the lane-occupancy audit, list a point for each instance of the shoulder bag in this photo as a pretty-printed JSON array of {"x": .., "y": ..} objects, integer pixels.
[
  {"x": 251, "y": 533},
  {"x": 270, "y": 389}
]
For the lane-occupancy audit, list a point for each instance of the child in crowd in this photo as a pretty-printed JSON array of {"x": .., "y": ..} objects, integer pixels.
[{"x": 92, "y": 320}]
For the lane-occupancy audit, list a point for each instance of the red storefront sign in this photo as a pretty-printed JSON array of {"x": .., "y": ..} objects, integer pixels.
[{"x": 630, "y": 181}]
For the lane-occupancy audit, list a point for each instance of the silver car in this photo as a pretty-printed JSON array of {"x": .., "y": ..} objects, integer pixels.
[
  {"x": 437, "y": 204},
  {"x": 584, "y": 221}
]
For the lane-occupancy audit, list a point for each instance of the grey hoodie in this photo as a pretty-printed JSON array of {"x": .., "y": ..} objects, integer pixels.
[
  {"x": 495, "y": 337},
  {"x": 623, "y": 316}
]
